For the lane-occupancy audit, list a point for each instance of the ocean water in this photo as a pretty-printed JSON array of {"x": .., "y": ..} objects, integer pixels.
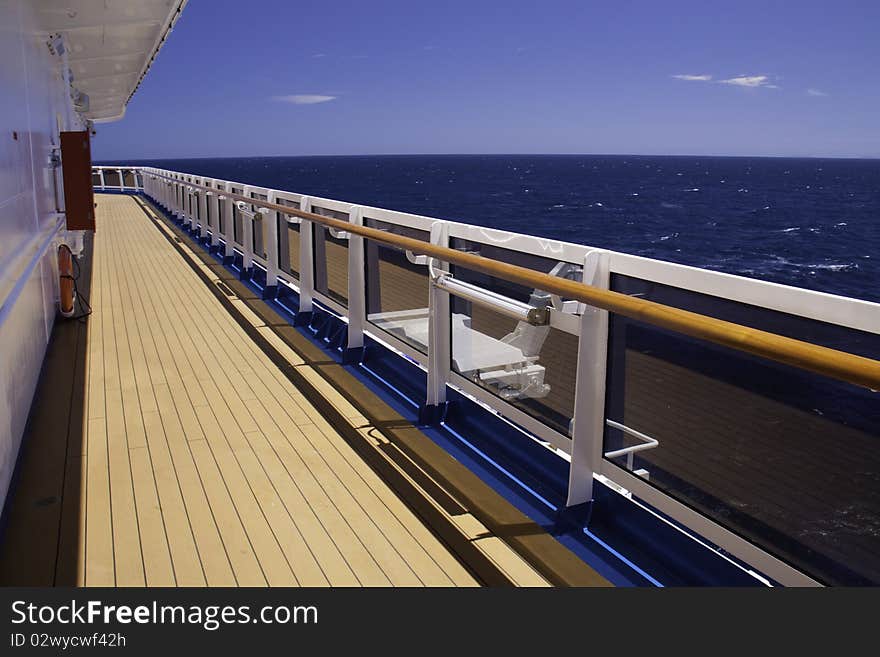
[{"x": 812, "y": 223}]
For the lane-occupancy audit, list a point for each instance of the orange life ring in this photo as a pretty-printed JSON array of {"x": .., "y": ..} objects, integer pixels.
[{"x": 66, "y": 282}]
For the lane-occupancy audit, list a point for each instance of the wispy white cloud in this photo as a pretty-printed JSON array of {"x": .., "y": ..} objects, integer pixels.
[
  {"x": 318, "y": 55},
  {"x": 815, "y": 92},
  {"x": 750, "y": 81},
  {"x": 693, "y": 78},
  {"x": 304, "y": 99}
]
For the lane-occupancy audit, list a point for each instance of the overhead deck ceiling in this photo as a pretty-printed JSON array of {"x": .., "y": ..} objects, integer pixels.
[{"x": 111, "y": 45}]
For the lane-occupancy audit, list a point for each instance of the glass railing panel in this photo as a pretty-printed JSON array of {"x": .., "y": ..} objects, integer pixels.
[
  {"x": 397, "y": 289},
  {"x": 786, "y": 459},
  {"x": 331, "y": 259},
  {"x": 530, "y": 367},
  {"x": 96, "y": 179},
  {"x": 288, "y": 241},
  {"x": 111, "y": 178},
  {"x": 128, "y": 175},
  {"x": 221, "y": 206}
]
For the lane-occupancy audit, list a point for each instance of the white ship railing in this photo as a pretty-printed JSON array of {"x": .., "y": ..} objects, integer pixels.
[
  {"x": 252, "y": 230},
  {"x": 117, "y": 179}
]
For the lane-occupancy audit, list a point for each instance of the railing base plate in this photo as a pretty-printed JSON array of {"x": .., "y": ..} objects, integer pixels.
[{"x": 432, "y": 414}]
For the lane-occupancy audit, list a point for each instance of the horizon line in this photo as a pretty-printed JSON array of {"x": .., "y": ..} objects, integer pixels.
[{"x": 515, "y": 154}]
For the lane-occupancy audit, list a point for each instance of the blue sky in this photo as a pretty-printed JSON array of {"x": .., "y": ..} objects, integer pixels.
[{"x": 273, "y": 77}]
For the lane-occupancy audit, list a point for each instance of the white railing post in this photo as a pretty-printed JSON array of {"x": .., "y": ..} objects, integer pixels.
[
  {"x": 270, "y": 244},
  {"x": 247, "y": 239},
  {"x": 357, "y": 291},
  {"x": 121, "y": 180},
  {"x": 228, "y": 227},
  {"x": 188, "y": 208},
  {"x": 177, "y": 199},
  {"x": 101, "y": 172},
  {"x": 306, "y": 266},
  {"x": 203, "y": 213},
  {"x": 181, "y": 201},
  {"x": 588, "y": 423},
  {"x": 439, "y": 339},
  {"x": 214, "y": 212}
]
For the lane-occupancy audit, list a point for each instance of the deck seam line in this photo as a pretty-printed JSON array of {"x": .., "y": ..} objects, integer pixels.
[{"x": 165, "y": 338}]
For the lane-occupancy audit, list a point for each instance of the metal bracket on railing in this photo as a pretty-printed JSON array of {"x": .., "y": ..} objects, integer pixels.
[
  {"x": 421, "y": 259},
  {"x": 647, "y": 443},
  {"x": 536, "y": 316},
  {"x": 417, "y": 259},
  {"x": 242, "y": 207}
]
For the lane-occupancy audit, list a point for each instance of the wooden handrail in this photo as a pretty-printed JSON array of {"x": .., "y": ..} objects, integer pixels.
[{"x": 840, "y": 365}]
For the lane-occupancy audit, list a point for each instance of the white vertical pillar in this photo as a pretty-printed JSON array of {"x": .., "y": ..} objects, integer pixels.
[
  {"x": 439, "y": 329},
  {"x": 188, "y": 208},
  {"x": 203, "y": 211},
  {"x": 214, "y": 202},
  {"x": 121, "y": 180},
  {"x": 228, "y": 228},
  {"x": 588, "y": 425},
  {"x": 101, "y": 172},
  {"x": 306, "y": 259},
  {"x": 178, "y": 198},
  {"x": 270, "y": 241},
  {"x": 247, "y": 239},
  {"x": 357, "y": 289}
]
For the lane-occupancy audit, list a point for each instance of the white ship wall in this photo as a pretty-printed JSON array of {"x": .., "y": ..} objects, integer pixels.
[{"x": 34, "y": 106}]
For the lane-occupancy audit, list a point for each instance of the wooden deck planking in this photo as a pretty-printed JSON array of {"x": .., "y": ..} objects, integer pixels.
[
  {"x": 205, "y": 451},
  {"x": 291, "y": 404},
  {"x": 379, "y": 547}
]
